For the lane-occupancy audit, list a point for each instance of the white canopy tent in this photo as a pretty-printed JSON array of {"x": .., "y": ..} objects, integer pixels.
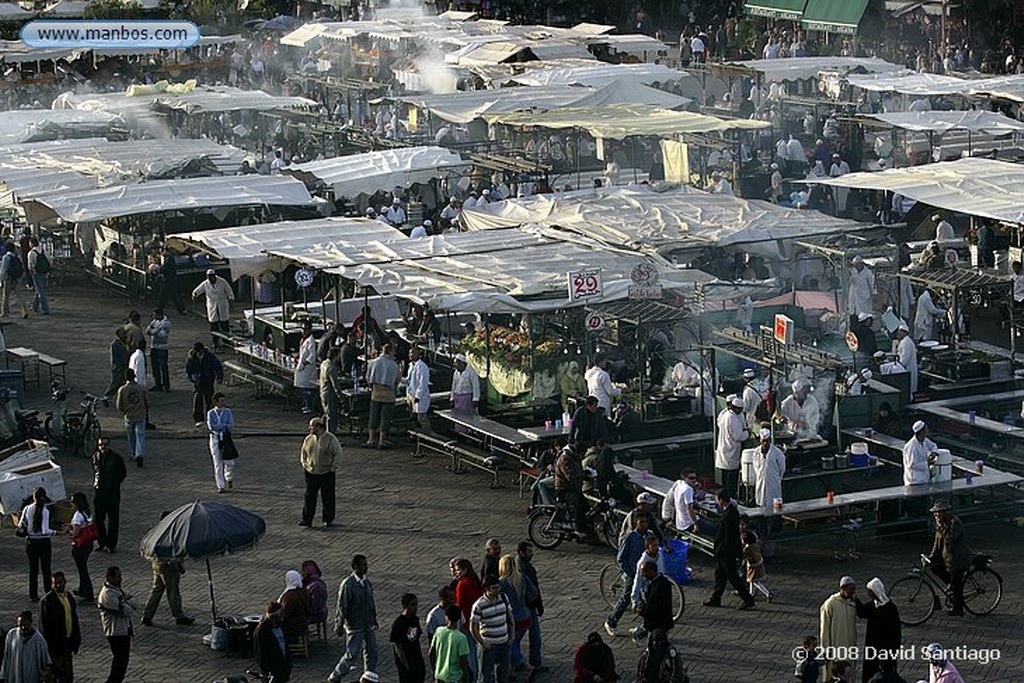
[
  {"x": 978, "y": 187},
  {"x": 245, "y": 246},
  {"x": 640, "y": 218},
  {"x": 169, "y": 195},
  {"x": 32, "y": 125},
  {"x": 990, "y": 123},
  {"x": 371, "y": 172},
  {"x": 1003, "y": 87},
  {"x": 910, "y": 83},
  {"x": 201, "y": 99},
  {"x": 597, "y": 74},
  {"x": 802, "y": 68}
]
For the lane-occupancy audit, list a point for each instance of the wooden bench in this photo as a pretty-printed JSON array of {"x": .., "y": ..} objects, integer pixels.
[
  {"x": 267, "y": 385},
  {"x": 53, "y": 366},
  {"x": 237, "y": 372},
  {"x": 433, "y": 442},
  {"x": 479, "y": 461},
  {"x": 26, "y": 358}
]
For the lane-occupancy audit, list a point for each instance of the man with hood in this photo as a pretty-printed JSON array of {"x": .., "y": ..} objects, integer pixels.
[
  {"x": 571, "y": 385},
  {"x": 883, "y": 634},
  {"x": 862, "y": 288},
  {"x": 838, "y": 617}
]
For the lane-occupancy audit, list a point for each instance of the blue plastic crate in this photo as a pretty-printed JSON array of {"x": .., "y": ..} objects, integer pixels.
[{"x": 674, "y": 557}]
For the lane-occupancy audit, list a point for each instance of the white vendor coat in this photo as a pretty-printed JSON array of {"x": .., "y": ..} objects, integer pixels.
[
  {"x": 924, "y": 318},
  {"x": 218, "y": 299},
  {"x": 732, "y": 431},
  {"x": 417, "y": 386},
  {"x": 599, "y": 385},
  {"x": 466, "y": 382},
  {"x": 804, "y": 418},
  {"x": 915, "y": 461},
  {"x": 862, "y": 288},
  {"x": 906, "y": 354},
  {"x": 769, "y": 468},
  {"x": 752, "y": 399},
  {"x": 306, "y": 371}
]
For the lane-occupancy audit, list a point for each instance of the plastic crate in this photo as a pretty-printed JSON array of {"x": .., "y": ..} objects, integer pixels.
[{"x": 674, "y": 557}]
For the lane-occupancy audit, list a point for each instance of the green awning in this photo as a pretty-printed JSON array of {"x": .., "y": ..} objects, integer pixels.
[
  {"x": 777, "y": 9},
  {"x": 834, "y": 16}
]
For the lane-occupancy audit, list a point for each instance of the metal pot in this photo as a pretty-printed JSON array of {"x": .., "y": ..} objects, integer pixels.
[
  {"x": 828, "y": 462},
  {"x": 842, "y": 461}
]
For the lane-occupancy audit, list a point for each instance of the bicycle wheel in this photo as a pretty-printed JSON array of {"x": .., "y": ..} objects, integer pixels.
[
  {"x": 915, "y": 599},
  {"x": 51, "y": 433},
  {"x": 73, "y": 442},
  {"x": 90, "y": 436},
  {"x": 539, "y": 533},
  {"x": 609, "y": 532},
  {"x": 611, "y": 584},
  {"x": 678, "y": 601},
  {"x": 983, "y": 589}
]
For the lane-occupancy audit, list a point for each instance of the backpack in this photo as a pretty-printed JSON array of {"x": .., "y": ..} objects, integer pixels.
[
  {"x": 15, "y": 271},
  {"x": 42, "y": 263}
]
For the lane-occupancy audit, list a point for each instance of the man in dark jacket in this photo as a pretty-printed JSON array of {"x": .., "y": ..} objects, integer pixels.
[
  {"x": 728, "y": 550},
  {"x": 884, "y": 632},
  {"x": 950, "y": 555},
  {"x": 203, "y": 369},
  {"x": 57, "y": 611},
  {"x": 589, "y": 425},
  {"x": 169, "y": 282},
  {"x": 108, "y": 473},
  {"x": 524, "y": 562},
  {"x": 118, "y": 361},
  {"x": 657, "y": 606}
]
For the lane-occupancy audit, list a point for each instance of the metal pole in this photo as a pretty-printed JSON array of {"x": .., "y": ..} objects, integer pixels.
[{"x": 209, "y": 582}]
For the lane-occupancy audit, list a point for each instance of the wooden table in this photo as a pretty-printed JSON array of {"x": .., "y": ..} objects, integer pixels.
[
  {"x": 489, "y": 430},
  {"x": 26, "y": 358}
]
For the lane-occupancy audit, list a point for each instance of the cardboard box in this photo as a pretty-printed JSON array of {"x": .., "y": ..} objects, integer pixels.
[{"x": 25, "y": 467}]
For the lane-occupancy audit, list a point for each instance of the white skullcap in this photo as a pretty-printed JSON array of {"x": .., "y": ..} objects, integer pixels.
[
  {"x": 461, "y": 357},
  {"x": 918, "y": 426},
  {"x": 427, "y": 223},
  {"x": 736, "y": 402},
  {"x": 486, "y": 192},
  {"x": 864, "y": 316},
  {"x": 766, "y": 433},
  {"x": 866, "y": 374},
  {"x": 847, "y": 581},
  {"x": 904, "y": 326},
  {"x": 396, "y": 200},
  {"x": 749, "y": 372},
  {"x": 858, "y": 259}
]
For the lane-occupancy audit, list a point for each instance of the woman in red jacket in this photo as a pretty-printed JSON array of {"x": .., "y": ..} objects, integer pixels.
[{"x": 594, "y": 662}]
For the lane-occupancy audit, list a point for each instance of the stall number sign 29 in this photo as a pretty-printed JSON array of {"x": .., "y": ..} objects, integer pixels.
[{"x": 584, "y": 284}]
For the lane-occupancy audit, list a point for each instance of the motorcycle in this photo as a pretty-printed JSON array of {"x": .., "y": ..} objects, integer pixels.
[
  {"x": 17, "y": 425},
  {"x": 550, "y": 523},
  {"x": 55, "y": 419}
]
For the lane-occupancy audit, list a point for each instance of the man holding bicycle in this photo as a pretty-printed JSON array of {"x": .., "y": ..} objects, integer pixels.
[{"x": 950, "y": 555}]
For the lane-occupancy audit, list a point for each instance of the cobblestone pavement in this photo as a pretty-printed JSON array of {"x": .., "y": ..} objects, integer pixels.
[{"x": 409, "y": 516}]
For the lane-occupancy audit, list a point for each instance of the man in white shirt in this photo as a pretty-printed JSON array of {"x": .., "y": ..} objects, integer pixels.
[
  {"x": 732, "y": 432},
  {"x": 924, "y": 316},
  {"x": 465, "y": 387},
  {"x": 450, "y": 214},
  {"x": 1018, "y": 283},
  {"x": 769, "y": 468},
  {"x": 470, "y": 201},
  {"x": 219, "y": 296},
  {"x": 795, "y": 150},
  {"x": 698, "y": 48},
  {"x": 599, "y": 385},
  {"x": 395, "y": 215},
  {"x": 802, "y": 411},
  {"x": 677, "y": 507},
  {"x": 862, "y": 288},
  {"x": 943, "y": 230},
  {"x": 421, "y": 230},
  {"x": 752, "y": 398},
  {"x": 906, "y": 353},
  {"x": 417, "y": 389},
  {"x": 916, "y": 454},
  {"x": 277, "y": 164}
]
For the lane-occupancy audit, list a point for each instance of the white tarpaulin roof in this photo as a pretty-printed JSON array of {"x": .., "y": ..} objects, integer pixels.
[
  {"x": 992, "y": 123},
  {"x": 979, "y": 187},
  {"x": 245, "y": 246},
  {"x": 171, "y": 195},
  {"x": 1006, "y": 87},
  {"x": 638, "y": 217},
  {"x": 34, "y": 169},
  {"x": 503, "y": 271},
  {"x": 15, "y": 51},
  {"x": 11, "y": 12},
  {"x": 615, "y": 122},
  {"x": 910, "y": 83},
  {"x": 463, "y": 107},
  {"x": 596, "y": 74},
  {"x": 30, "y": 125},
  {"x": 375, "y": 171},
  {"x": 202, "y": 99},
  {"x": 800, "y": 68}
]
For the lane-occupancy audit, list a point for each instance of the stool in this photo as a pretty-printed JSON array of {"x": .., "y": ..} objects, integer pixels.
[
  {"x": 300, "y": 646},
  {"x": 320, "y": 630}
]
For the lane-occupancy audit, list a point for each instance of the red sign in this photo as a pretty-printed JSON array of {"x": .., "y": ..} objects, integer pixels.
[{"x": 852, "y": 341}]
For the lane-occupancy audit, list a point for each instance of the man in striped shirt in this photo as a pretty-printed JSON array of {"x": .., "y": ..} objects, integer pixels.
[{"x": 492, "y": 625}]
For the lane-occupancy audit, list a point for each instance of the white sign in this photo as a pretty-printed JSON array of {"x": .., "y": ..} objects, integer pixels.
[
  {"x": 852, "y": 341},
  {"x": 303, "y": 277},
  {"x": 584, "y": 284},
  {"x": 952, "y": 257},
  {"x": 651, "y": 292},
  {"x": 595, "y": 322},
  {"x": 644, "y": 275}
]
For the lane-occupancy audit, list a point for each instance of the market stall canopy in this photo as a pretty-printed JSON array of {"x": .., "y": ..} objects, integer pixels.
[
  {"x": 463, "y": 107},
  {"x": 1003, "y": 87},
  {"x": 12, "y": 12},
  {"x": 35, "y": 169},
  {"x": 597, "y": 74},
  {"x": 618, "y": 121},
  {"x": 977, "y": 187},
  {"x": 992, "y": 123},
  {"x": 910, "y": 83},
  {"x": 36, "y": 125},
  {"x": 246, "y": 246},
  {"x": 640, "y": 218},
  {"x": 833, "y": 16},
  {"x": 196, "y": 100},
  {"x": 170, "y": 195},
  {"x": 802, "y": 68},
  {"x": 789, "y": 10},
  {"x": 378, "y": 171},
  {"x": 17, "y": 52},
  {"x": 74, "y": 9}
]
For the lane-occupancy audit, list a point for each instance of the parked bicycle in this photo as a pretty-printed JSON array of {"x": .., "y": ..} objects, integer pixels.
[
  {"x": 612, "y": 587},
  {"x": 77, "y": 431},
  {"x": 917, "y": 594}
]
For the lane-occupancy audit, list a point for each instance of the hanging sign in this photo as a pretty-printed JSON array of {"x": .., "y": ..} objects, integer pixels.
[
  {"x": 584, "y": 284},
  {"x": 303, "y": 277},
  {"x": 646, "y": 282},
  {"x": 852, "y": 341},
  {"x": 784, "y": 329},
  {"x": 595, "y": 322}
]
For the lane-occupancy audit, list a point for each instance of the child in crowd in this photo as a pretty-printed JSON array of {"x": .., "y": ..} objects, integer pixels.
[{"x": 753, "y": 564}]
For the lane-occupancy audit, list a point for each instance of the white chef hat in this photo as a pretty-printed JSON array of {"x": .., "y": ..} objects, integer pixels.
[
  {"x": 918, "y": 426},
  {"x": 736, "y": 402},
  {"x": 864, "y": 316},
  {"x": 765, "y": 433},
  {"x": 749, "y": 373}
]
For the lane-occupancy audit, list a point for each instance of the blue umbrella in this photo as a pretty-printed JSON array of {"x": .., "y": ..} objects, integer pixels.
[
  {"x": 202, "y": 530},
  {"x": 281, "y": 22}
]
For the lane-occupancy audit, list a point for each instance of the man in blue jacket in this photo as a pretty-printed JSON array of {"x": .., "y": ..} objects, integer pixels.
[{"x": 630, "y": 550}]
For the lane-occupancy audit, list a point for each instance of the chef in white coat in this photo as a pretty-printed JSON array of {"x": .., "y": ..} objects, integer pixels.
[
  {"x": 916, "y": 455},
  {"x": 802, "y": 411},
  {"x": 306, "y": 372},
  {"x": 924, "y": 317},
  {"x": 752, "y": 397},
  {"x": 769, "y": 467},
  {"x": 218, "y": 303},
  {"x": 417, "y": 388},
  {"x": 862, "y": 288},
  {"x": 857, "y": 380},
  {"x": 906, "y": 354},
  {"x": 599, "y": 385},
  {"x": 732, "y": 432}
]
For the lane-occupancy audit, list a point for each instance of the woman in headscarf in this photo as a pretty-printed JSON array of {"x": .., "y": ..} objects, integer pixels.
[
  {"x": 314, "y": 584},
  {"x": 572, "y": 385},
  {"x": 884, "y": 632},
  {"x": 295, "y": 604}
]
